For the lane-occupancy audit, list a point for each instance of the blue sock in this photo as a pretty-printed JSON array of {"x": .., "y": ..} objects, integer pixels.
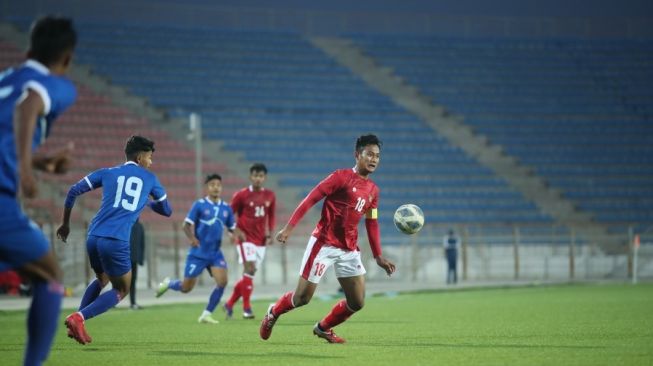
[
  {"x": 175, "y": 285},
  {"x": 103, "y": 303},
  {"x": 216, "y": 295},
  {"x": 42, "y": 320},
  {"x": 92, "y": 292}
]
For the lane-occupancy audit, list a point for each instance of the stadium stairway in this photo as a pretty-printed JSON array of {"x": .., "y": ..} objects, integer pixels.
[{"x": 549, "y": 200}]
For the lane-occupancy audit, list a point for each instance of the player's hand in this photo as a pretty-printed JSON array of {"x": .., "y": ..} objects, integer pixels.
[
  {"x": 59, "y": 162},
  {"x": 388, "y": 266},
  {"x": 282, "y": 236},
  {"x": 194, "y": 243},
  {"x": 28, "y": 185},
  {"x": 62, "y": 232},
  {"x": 269, "y": 240}
]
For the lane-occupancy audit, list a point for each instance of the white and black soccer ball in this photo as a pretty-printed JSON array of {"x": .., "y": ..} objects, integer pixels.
[{"x": 409, "y": 218}]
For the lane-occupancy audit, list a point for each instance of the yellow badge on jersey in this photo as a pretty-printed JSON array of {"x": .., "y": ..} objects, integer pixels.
[{"x": 371, "y": 214}]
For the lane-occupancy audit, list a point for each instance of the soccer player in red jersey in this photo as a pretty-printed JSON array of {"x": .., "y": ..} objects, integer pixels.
[
  {"x": 348, "y": 195},
  {"x": 255, "y": 208}
]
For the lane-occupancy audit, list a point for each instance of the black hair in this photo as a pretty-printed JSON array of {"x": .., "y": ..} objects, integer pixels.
[
  {"x": 136, "y": 145},
  {"x": 211, "y": 177},
  {"x": 365, "y": 140},
  {"x": 258, "y": 167},
  {"x": 50, "y": 38}
]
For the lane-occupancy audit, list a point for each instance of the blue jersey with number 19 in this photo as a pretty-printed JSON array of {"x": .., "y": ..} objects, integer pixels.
[{"x": 125, "y": 193}]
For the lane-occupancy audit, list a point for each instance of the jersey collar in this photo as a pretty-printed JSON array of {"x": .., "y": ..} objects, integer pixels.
[
  {"x": 37, "y": 66},
  {"x": 219, "y": 201},
  {"x": 130, "y": 163},
  {"x": 251, "y": 188}
]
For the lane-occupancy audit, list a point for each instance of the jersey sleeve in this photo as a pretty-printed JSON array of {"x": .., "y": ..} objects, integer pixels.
[
  {"x": 86, "y": 184},
  {"x": 372, "y": 226},
  {"x": 193, "y": 214},
  {"x": 326, "y": 187}
]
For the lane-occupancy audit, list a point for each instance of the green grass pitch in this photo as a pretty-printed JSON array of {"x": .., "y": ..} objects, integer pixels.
[{"x": 560, "y": 325}]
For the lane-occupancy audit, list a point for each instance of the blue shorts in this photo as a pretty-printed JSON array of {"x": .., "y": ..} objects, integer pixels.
[
  {"x": 21, "y": 241},
  {"x": 108, "y": 255},
  {"x": 195, "y": 265}
]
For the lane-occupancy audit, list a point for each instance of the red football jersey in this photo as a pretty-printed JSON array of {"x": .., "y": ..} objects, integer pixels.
[
  {"x": 254, "y": 209},
  {"x": 348, "y": 198}
]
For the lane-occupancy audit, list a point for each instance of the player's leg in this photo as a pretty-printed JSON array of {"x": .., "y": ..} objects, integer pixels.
[
  {"x": 25, "y": 248},
  {"x": 132, "y": 292},
  {"x": 350, "y": 272},
  {"x": 116, "y": 263},
  {"x": 219, "y": 274},
  {"x": 247, "y": 288},
  {"x": 238, "y": 286},
  {"x": 192, "y": 270},
  {"x": 317, "y": 259},
  {"x": 101, "y": 279}
]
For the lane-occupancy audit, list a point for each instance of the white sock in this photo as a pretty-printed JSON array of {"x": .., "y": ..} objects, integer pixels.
[{"x": 205, "y": 313}]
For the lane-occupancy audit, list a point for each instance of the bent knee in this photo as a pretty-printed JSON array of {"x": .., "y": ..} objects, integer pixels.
[{"x": 356, "y": 305}]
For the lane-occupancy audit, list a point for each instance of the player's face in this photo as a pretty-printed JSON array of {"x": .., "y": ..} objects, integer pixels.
[
  {"x": 214, "y": 188},
  {"x": 257, "y": 179},
  {"x": 144, "y": 159},
  {"x": 368, "y": 159}
]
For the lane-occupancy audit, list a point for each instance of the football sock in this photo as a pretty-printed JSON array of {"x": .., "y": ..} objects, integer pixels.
[
  {"x": 103, "y": 303},
  {"x": 214, "y": 299},
  {"x": 339, "y": 313},
  {"x": 248, "y": 287},
  {"x": 236, "y": 294},
  {"x": 175, "y": 285},
  {"x": 42, "y": 320},
  {"x": 92, "y": 292},
  {"x": 283, "y": 305}
]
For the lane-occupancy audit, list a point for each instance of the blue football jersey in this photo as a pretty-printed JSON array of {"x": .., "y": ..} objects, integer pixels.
[
  {"x": 57, "y": 94},
  {"x": 209, "y": 218},
  {"x": 125, "y": 192}
]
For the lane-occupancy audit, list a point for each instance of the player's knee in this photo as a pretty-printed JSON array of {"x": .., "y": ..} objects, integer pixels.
[
  {"x": 356, "y": 305},
  {"x": 301, "y": 299}
]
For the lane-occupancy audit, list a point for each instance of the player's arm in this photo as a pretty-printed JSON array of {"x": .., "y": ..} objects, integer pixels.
[
  {"x": 236, "y": 234},
  {"x": 271, "y": 220},
  {"x": 56, "y": 163},
  {"x": 329, "y": 185},
  {"x": 26, "y": 114},
  {"x": 86, "y": 184},
  {"x": 189, "y": 225},
  {"x": 374, "y": 236},
  {"x": 159, "y": 203}
]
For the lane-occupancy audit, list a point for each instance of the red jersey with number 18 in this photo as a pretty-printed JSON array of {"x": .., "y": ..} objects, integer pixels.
[
  {"x": 348, "y": 198},
  {"x": 255, "y": 210}
]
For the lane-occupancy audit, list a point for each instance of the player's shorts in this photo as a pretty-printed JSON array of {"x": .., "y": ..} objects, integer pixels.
[
  {"x": 108, "y": 255},
  {"x": 320, "y": 256},
  {"x": 251, "y": 252},
  {"x": 195, "y": 265},
  {"x": 21, "y": 241}
]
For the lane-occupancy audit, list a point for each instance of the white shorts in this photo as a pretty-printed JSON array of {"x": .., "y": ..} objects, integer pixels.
[
  {"x": 319, "y": 257},
  {"x": 251, "y": 252}
]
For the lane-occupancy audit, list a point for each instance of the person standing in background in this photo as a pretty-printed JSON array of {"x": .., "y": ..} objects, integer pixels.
[
  {"x": 451, "y": 243},
  {"x": 137, "y": 243}
]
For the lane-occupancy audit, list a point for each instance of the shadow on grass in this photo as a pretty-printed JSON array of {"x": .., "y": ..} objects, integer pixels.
[
  {"x": 265, "y": 355},
  {"x": 477, "y": 345}
]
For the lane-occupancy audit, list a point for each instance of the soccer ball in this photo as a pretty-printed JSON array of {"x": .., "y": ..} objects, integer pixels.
[{"x": 409, "y": 219}]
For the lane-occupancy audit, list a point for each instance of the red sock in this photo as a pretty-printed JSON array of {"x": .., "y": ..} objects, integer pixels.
[
  {"x": 283, "y": 305},
  {"x": 339, "y": 313},
  {"x": 246, "y": 289},
  {"x": 236, "y": 294}
]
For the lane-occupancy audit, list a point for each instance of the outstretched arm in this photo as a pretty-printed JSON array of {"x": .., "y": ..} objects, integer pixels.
[
  {"x": 327, "y": 186},
  {"x": 77, "y": 189}
]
